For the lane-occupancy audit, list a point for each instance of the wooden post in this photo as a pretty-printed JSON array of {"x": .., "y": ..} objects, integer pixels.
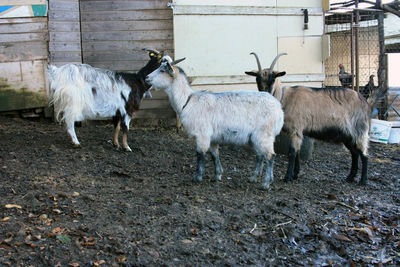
[{"x": 382, "y": 60}]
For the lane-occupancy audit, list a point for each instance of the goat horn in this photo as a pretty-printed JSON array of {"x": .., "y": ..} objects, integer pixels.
[
  {"x": 177, "y": 61},
  {"x": 258, "y": 62},
  {"x": 275, "y": 60},
  {"x": 151, "y": 50}
]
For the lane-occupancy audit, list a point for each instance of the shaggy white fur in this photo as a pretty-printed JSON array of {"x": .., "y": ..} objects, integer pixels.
[{"x": 238, "y": 117}]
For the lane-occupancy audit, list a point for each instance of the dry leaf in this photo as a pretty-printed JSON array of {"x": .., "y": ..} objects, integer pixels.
[
  {"x": 36, "y": 237},
  {"x": 88, "y": 244},
  {"x": 74, "y": 264},
  {"x": 75, "y": 194},
  {"x": 5, "y": 219},
  {"x": 343, "y": 238},
  {"x": 199, "y": 200},
  {"x": 43, "y": 217},
  {"x": 57, "y": 211},
  {"x": 56, "y": 230},
  {"x": 194, "y": 231},
  {"x": 364, "y": 230},
  {"x": 10, "y": 206},
  {"x": 187, "y": 241},
  {"x": 98, "y": 263},
  {"x": 331, "y": 196},
  {"x": 121, "y": 259}
]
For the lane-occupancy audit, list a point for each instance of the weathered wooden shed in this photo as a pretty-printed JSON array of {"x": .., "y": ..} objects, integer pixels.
[
  {"x": 23, "y": 54},
  {"x": 111, "y": 35}
]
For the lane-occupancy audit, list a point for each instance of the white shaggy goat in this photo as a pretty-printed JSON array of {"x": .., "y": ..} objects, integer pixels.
[
  {"x": 217, "y": 118},
  {"x": 83, "y": 92},
  {"x": 336, "y": 115}
]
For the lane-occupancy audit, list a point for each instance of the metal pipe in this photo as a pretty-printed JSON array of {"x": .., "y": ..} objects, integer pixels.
[
  {"x": 356, "y": 46},
  {"x": 352, "y": 50}
]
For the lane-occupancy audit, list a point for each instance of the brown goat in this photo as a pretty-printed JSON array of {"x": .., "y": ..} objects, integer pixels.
[{"x": 336, "y": 115}]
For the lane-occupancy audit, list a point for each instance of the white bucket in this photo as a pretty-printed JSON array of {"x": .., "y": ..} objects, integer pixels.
[
  {"x": 394, "y": 137},
  {"x": 380, "y": 131}
]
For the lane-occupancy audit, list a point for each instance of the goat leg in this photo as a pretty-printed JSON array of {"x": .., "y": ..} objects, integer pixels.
[
  {"x": 364, "y": 169},
  {"x": 292, "y": 158},
  {"x": 296, "y": 166},
  {"x": 200, "y": 166},
  {"x": 259, "y": 168},
  {"x": 218, "y": 167},
  {"x": 125, "y": 128},
  {"x": 354, "y": 162},
  {"x": 125, "y": 141},
  {"x": 117, "y": 127},
  {"x": 269, "y": 172},
  {"x": 72, "y": 134}
]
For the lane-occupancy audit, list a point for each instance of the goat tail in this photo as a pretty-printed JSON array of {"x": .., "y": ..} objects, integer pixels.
[
  {"x": 71, "y": 94},
  {"x": 375, "y": 96}
]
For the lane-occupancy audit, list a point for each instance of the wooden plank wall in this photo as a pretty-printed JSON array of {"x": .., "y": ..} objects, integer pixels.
[
  {"x": 64, "y": 32},
  {"x": 23, "y": 56},
  {"x": 114, "y": 32}
]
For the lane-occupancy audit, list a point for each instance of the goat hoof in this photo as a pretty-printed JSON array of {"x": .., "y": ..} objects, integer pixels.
[
  {"x": 362, "y": 183},
  {"x": 288, "y": 179},
  {"x": 218, "y": 177},
  {"x": 127, "y": 149},
  {"x": 197, "y": 178},
  {"x": 265, "y": 186},
  {"x": 76, "y": 145},
  {"x": 350, "y": 180},
  {"x": 116, "y": 146},
  {"x": 253, "y": 179}
]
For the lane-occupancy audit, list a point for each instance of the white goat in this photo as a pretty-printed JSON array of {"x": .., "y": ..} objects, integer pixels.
[
  {"x": 83, "y": 92},
  {"x": 217, "y": 118}
]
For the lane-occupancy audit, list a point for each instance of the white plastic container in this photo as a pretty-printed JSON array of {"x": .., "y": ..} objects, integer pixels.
[
  {"x": 394, "y": 137},
  {"x": 380, "y": 131}
]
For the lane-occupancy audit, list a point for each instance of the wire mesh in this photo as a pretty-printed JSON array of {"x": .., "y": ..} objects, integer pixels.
[
  {"x": 342, "y": 48},
  {"x": 352, "y": 43},
  {"x": 338, "y": 27}
]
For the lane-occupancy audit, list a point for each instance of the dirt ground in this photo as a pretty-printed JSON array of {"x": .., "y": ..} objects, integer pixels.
[{"x": 97, "y": 206}]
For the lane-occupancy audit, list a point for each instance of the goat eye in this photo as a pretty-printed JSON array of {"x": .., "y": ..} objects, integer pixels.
[{"x": 151, "y": 54}]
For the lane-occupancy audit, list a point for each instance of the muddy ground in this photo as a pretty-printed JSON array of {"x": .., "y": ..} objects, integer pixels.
[{"x": 97, "y": 206}]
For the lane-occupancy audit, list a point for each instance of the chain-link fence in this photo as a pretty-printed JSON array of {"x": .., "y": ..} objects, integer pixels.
[{"x": 354, "y": 52}]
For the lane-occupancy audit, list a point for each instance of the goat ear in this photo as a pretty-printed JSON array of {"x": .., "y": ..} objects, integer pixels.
[
  {"x": 170, "y": 69},
  {"x": 279, "y": 74},
  {"x": 152, "y": 52},
  {"x": 251, "y": 73},
  {"x": 177, "y": 61}
]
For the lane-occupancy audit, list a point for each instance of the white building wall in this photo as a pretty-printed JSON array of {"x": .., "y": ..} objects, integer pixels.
[{"x": 216, "y": 37}]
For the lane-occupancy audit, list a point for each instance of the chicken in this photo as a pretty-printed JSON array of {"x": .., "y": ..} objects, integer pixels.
[
  {"x": 367, "y": 89},
  {"x": 345, "y": 78}
]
